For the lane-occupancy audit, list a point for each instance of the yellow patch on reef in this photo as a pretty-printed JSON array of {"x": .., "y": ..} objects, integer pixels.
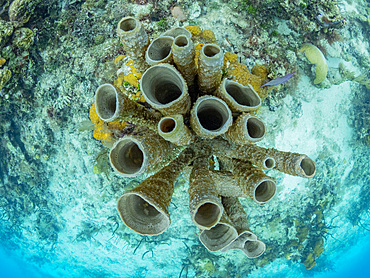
[
  {"x": 208, "y": 36},
  {"x": 205, "y": 36},
  {"x": 210, "y": 268},
  {"x": 117, "y": 125},
  {"x": 96, "y": 170},
  {"x": 118, "y": 83},
  {"x": 230, "y": 57},
  {"x": 241, "y": 74},
  {"x": 119, "y": 58},
  {"x": 2, "y": 62},
  {"x": 101, "y": 133},
  {"x": 104, "y": 131},
  {"x": 197, "y": 49},
  {"x": 93, "y": 115},
  {"x": 134, "y": 76},
  {"x": 133, "y": 79},
  {"x": 260, "y": 71},
  {"x": 194, "y": 30},
  {"x": 315, "y": 56}
]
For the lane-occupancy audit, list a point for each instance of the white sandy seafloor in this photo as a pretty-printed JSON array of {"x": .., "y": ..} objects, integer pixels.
[{"x": 93, "y": 242}]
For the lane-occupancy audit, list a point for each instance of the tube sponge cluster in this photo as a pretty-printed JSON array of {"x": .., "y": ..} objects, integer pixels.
[{"x": 201, "y": 107}]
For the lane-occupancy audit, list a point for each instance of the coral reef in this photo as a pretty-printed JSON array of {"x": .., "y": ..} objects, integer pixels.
[
  {"x": 58, "y": 189},
  {"x": 5, "y": 75},
  {"x": 315, "y": 56},
  {"x": 220, "y": 99}
]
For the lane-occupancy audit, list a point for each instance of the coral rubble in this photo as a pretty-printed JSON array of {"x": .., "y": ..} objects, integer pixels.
[{"x": 196, "y": 109}]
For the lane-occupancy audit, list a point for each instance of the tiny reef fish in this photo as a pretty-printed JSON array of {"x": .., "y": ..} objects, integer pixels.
[{"x": 278, "y": 80}]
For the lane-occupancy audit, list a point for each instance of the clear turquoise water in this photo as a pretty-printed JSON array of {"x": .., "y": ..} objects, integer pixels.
[{"x": 354, "y": 263}]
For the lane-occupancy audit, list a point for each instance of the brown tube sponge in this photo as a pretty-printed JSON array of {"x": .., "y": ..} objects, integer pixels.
[
  {"x": 293, "y": 163},
  {"x": 165, "y": 89},
  {"x": 204, "y": 204},
  {"x": 183, "y": 55},
  {"x": 146, "y": 152},
  {"x": 246, "y": 129},
  {"x": 220, "y": 235},
  {"x": 159, "y": 51},
  {"x": 177, "y": 31},
  {"x": 211, "y": 60},
  {"x": 134, "y": 40},
  {"x": 253, "y": 181},
  {"x": 173, "y": 129},
  {"x": 236, "y": 213},
  {"x": 108, "y": 103},
  {"x": 256, "y": 155},
  {"x": 145, "y": 208},
  {"x": 239, "y": 98},
  {"x": 246, "y": 182},
  {"x": 246, "y": 240},
  {"x": 111, "y": 105},
  {"x": 210, "y": 117},
  {"x": 226, "y": 184}
]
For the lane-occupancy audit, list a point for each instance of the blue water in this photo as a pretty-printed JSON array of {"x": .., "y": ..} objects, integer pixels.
[
  {"x": 13, "y": 267},
  {"x": 355, "y": 263}
]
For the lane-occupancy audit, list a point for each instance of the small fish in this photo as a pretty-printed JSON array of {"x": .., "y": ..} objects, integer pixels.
[{"x": 279, "y": 80}]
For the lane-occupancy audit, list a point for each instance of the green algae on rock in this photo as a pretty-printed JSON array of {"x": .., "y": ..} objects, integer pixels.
[
  {"x": 18, "y": 11},
  {"x": 5, "y": 75},
  {"x": 23, "y": 38},
  {"x": 6, "y": 29}
]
